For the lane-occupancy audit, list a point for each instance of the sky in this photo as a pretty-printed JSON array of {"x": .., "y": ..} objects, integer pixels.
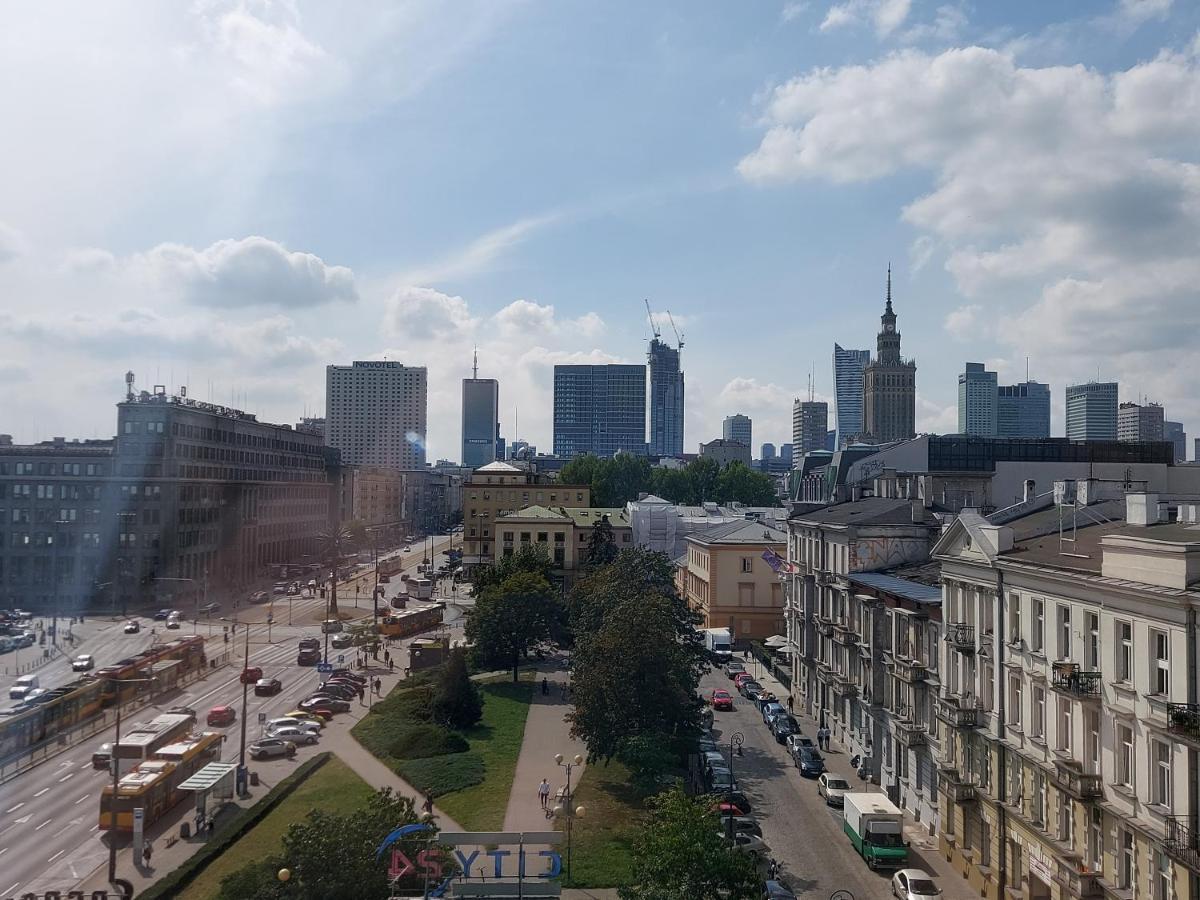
[{"x": 232, "y": 195}]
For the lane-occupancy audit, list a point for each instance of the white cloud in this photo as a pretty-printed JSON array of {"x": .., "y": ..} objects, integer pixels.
[
  {"x": 793, "y": 10},
  {"x": 920, "y": 252},
  {"x": 1129, "y": 14},
  {"x": 12, "y": 243},
  {"x": 935, "y": 419},
  {"x": 1078, "y": 188},
  {"x": 481, "y": 254},
  {"x": 252, "y": 271},
  {"x": 963, "y": 323},
  {"x": 422, "y": 313},
  {"x": 949, "y": 22},
  {"x": 884, "y": 15}
]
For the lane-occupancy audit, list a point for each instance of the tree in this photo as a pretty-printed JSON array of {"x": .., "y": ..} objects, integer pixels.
[
  {"x": 456, "y": 699},
  {"x": 741, "y": 484},
  {"x": 334, "y": 544},
  {"x": 510, "y": 619},
  {"x": 332, "y": 856},
  {"x": 680, "y": 854},
  {"x": 637, "y": 660},
  {"x": 602, "y": 544},
  {"x": 532, "y": 558}
]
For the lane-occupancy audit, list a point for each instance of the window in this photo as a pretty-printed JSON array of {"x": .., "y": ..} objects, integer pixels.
[
  {"x": 1092, "y": 655},
  {"x": 1037, "y": 728},
  {"x": 1160, "y": 675},
  {"x": 1065, "y": 820},
  {"x": 1125, "y": 864},
  {"x": 1065, "y": 724},
  {"x": 1125, "y": 761},
  {"x": 1014, "y": 618},
  {"x": 1162, "y": 876},
  {"x": 1096, "y": 840},
  {"x": 1038, "y": 639},
  {"x": 1064, "y": 631},
  {"x": 747, "y": 564},
  {"x": 1014, "y": 701},
  {"x": 1124, "y": 651},
  {"x": 1162, "y": 773},
  {"x": 1037, "y": 811}
]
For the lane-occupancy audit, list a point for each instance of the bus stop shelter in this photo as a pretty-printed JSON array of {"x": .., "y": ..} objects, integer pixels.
[{"x": 213, "y": 786}]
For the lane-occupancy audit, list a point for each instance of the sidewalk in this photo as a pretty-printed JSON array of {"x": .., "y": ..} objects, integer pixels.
[{"x": 546, "y": 733}]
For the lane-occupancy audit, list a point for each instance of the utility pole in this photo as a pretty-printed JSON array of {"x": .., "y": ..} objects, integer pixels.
[{"x": 241, "y": 771}]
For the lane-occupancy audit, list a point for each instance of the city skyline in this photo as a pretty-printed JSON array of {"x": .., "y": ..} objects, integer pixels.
[{"x": 286, "y": 217}]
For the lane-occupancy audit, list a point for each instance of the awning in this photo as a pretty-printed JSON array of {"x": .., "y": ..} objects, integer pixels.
[
  {"x": 207, "y": 777},
  {"x": 775, "y": 641}
]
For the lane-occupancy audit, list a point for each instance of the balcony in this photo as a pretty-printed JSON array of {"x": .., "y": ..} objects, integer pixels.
[
  {"x": 958, "y": 711},
  {"x": 910, "y": 670},
  {"x": 1083, "y": 786},
  {"x": 844, "y": 634},
  {"x": 1181, "y": 842},
  {"x": 1067, "y": 678},
  {"x": 824, "y": 625},
  {"x": 961, "y": 637},
  {"x": 1085, "y": 885},
  {"x": 958, "y": 790},
  {"x": 1183, "y": 719},
  {"x": 841, "y": 683},
  {"x": 909, "y": 732},
  {"x": 824, "y": 672}
]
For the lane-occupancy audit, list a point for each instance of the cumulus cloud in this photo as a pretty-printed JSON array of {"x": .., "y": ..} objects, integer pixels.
[
  {"x": 423, "y": 313},
  {"x": 1067, "y": 199},
  {"x": 12, "y": 243},
  {"x": 935, "y": 419},
  {"x": 530, "y": 318},
  {"x": 252, "y": 271},
  {"x": 794, "y": 10},
  {"x": 963, "y": 323},
  {"x": 884, "y": 15}
]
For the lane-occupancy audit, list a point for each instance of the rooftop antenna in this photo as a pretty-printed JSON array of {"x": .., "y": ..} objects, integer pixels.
[
  {"x": 1027, "y": 369},
  {"x": 678, "y": 336},
  {"x": 475, "y": 366},
  {"x": 650, "y": 316}
]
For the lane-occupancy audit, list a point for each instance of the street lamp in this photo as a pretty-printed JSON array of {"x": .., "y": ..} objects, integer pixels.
[
  {"x": 735, "y": 744},
  {"x": 563, "y": 807},
  {"x": 241, "y": 770},
  {"x": 115, "y": 764}
]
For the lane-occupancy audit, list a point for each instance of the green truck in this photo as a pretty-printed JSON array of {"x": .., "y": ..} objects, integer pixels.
[{"x": 875, "y": 827}]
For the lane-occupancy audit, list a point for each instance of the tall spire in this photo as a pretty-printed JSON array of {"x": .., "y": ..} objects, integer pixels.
[
  {"x": 889, "y": 287},
  {"x": 475, "y": 364}
]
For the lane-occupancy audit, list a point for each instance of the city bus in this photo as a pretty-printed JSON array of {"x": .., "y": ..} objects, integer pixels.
[
  {"x": 153, "y": 785},
  {"x": 144, "y": 740},
  {"x": 414, "y": 620}
]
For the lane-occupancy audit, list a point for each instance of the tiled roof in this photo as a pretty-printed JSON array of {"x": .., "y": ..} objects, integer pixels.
[{"x": 745, "y": 531}]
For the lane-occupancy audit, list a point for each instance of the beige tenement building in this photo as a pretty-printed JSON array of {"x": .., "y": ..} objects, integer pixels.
[
  {"x": 565, "y": 532},
  {"x": 724, "y": 577}
]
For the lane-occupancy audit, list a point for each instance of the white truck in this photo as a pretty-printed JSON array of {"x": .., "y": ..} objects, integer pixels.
[
  {"x": 875, "y": 827},
  {"x": 719, "y": 643}
]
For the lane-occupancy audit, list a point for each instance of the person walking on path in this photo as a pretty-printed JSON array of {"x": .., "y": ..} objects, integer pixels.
[
  {"x": 545, "y": 686},
  {"x": 823, "y": 738},
  {"x": 147, "y": 852},
  {"x": 544, "y": 792},
  {"x": 427, "y": 806},
  {"x": 790, "y": 703},
  {"x": 391, "y": 665}
]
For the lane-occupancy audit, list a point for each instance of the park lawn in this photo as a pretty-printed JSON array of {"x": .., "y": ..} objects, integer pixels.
[
  {"x": 497, "y": 741},
  {"x": 602, "y": 839},
  {"x": 334, "y": 787}
]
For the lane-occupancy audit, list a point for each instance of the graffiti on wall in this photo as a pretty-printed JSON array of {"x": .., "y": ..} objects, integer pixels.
[{"x": 875, "y": 553}]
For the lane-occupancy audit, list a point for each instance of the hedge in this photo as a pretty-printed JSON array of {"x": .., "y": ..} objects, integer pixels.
[{"x": 172, "y": 884}]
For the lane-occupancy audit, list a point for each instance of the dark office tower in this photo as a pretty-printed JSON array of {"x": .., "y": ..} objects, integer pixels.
[
  {"x": 666, "y": 400},
  {"x": 599, "y": 409},
  {"x": 848, "y": 366},
  {"x": 480, "y": 413},
  {"x": 1023, "y": 410},
  {"x": 889, "y": 384}
]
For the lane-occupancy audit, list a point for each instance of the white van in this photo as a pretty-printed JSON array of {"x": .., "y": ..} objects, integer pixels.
[{"x": 23, "y": 686}]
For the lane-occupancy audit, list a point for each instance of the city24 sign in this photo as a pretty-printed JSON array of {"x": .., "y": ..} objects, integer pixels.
[{"x": 431, "y": 863}]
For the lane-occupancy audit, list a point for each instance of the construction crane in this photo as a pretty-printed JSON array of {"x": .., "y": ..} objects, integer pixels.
[
  {"x": 678, "y": 336},
  {"x": 650, "y": 316}
]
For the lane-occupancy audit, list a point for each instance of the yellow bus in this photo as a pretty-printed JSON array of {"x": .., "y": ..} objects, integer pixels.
[
  {"x": 414, "y": 620},
  {"x": 153, "y": 786}
]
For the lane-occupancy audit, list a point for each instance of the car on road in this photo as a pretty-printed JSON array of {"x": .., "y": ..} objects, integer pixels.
[
  {"x": 833, "y": 788},
  {"x": 309, "y": 656},
  {"x": 209, "y": 608},
  {"x": 101, "y": 756},
  {"x": 23, "y": 687},
  {"x": 219, "y": 716},
  {"x": 798, "y": 742},
  {"x": 741, "y": 825},
  {"x": 162, "y": 615},
  {"x": 331, "y": 626},
  {"x": 267, "y": 687},
  {"x": 810, "y": 762},
  {"x": 783, "y": 727},
  {"x": 24, "y": 639},
  {"x": 385, "y": 579},
  {"x": 173, "y": 622},
  {"x": 346, "y": 673},
  {"x": 320, "y": 717},
  {"x": 269, "y": 748},
  {"x": 341, "y": 641},
  {"x": 733, "y": 803},
  {"x": 914, "y": 884},
  {"x": 301, "y": 721},
  {"x": 772, "y": 709},
  {"x": 408, "y": 549},
  {"x": 722, "y": 699},
  {"x": 777, "y": 890},
  {"x": 132, "y": 627},
  {"x": 298, "y": 736},
  {"x": 324, "y": 701},
  {"x": 310, "y": 644},
  {"x": 251, "y": 674},
  {"x": 279, "y": 588},
  {"x": 749, "y": 688},
  {"x": 84, "y": 662},
  {"x": 733, "y": 669},
  {"x": 750, "y": 843}
]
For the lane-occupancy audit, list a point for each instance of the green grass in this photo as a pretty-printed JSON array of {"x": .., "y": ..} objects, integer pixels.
[
  {"x": 334, "y": 788},
  {"x": 602, "y": 839}
]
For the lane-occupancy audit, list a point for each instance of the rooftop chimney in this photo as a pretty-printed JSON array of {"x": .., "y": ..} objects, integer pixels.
[{"x": 1141, "y": 509}]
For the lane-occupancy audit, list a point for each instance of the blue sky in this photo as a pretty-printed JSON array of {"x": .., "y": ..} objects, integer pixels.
[{"x": 233, "y": 194}]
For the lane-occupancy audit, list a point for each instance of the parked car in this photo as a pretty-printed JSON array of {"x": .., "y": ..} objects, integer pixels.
[
  {"x": 741, "y": 825},
  {"x": 308, "y": 657},
  {"x": 810, "y": 762},
  {"x": 914, "y": 884},
  {"x": 733, "y": 669},
  {"x": 762, "y": 698},
  {"x": 132, "y": 627},
  {"x": 782, "y": 728},
  {"x": 310, "y": 644},
  {"x": 162, "y": 615},
  {"x": 101, "y": 756},
  {"x": 84, "y": 662},
  {"x": 777, "y": 890},
  {"x": 749, "y": 688},
  {"x": 298, "y": 736},
  {"x": 385, "y": 579},
  {"x": 346, "y": 673},
  {"x": 341, "y": 641},
  {"x": 798, "y": 742},
  {"x": 713, "y": 758},
  {"x": 331, "y": 626},
  {"x": 733, "y": 803},
  {"x": 173, "y": 622},
  {"x": 833, "y": 788},
  {"x": 341, "y": 691},
  {"x": 705, "y": 744},
  {"x": 294, "y": 589},
  {"x": 772, "y": 709},
  {"x": 267, "y": 687},
  {"x": 324, "y": 701},
  {"x": 720, "y": 778},
  {"x": 209, "y": 609},
  {"x": 740, "y": 678},
  {"x": 269, "y": 748},
  {"x": 750, "y": 843},
  {"x": 24, "y": 639},
  {"x": 722, "y": 700},
  {"x": 219, "y": 716},
  {"x": 302, "y": 721}
]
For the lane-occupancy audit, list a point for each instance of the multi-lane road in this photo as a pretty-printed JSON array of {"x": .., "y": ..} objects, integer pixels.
[{"x": 49, "y": 834}]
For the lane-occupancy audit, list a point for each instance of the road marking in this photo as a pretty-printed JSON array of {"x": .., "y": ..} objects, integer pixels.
[
  {"x": 66, "y": 777},
  {"x": 56, "y": 856},
  {"x": 11, "y": 890},
  {"x": 81, "y": 799},
  {"x": 63, "y": 764},
  {"x": 39, "y": 793},
  {"x": 15, "y": 808},
  {"x": 2, "y": 852},
  {"x": 43, "y": 825},
  {"x": 86, "y": 765},
  {"x": 23, "y": 819}
]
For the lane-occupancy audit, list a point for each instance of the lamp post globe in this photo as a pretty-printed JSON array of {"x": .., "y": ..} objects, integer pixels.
[{"x": 284, "y": 874}]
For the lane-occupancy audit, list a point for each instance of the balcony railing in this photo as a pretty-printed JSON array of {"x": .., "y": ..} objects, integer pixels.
[
  {"x": 841, "y": 683},
  {"x": 958, "y": 711},
  {"x": 1181, "y": 842},
  {"x": 956, "y": 788},
  {"x": 1068, "y": 678},
  {"x": 909, "y": 670},
  {"x": 1083, "y": 786},
  {"x": 1084, "y": 885},
  {"x": 961, "y": 636},
  {"x": 909, "y": 732},
  {"x": 844, "y": 634},
  {"x": 1184, "y": 719}
]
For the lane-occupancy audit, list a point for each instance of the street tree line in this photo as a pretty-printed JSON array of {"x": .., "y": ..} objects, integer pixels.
[{"x": 618, "y": 479}]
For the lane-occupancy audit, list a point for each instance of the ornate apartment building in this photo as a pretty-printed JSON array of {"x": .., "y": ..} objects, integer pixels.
[{"x": 1068, "y": 701}]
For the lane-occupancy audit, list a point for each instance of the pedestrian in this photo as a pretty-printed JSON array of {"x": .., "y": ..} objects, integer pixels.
[
  {"x": 790, "y": 703},
  {"x": 545, "y": 686},
  {"x": 427, "y": 806},
  {"x": 378, "y": 685},
  {"x": 147, "y": 852},
  {"x": 212, "y": 825},
  {"x": 391, "y": 665},
  {"x": 387, "y": 656},
  {"x": 360, "y": 692},
  {"x": 544, "y": 793}
]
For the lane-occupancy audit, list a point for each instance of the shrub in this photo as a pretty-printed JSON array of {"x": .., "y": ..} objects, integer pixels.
[
  {"x": 457, "y": 701},
  {"x": 439, "y": 775},
  {"x": 422, "y": 741}
]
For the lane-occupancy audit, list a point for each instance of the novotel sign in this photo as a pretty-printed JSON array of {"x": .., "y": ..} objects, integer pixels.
[
  {"x": 377, "y": 364},
  {"x": 477, "y": 854}
]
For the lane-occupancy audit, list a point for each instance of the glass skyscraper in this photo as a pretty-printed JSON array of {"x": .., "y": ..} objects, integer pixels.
[
  {"x": 1023, "y": 410},
  {"x": 848, "y": 366},
  {"x": 666, "y": 400},
  {"x": 599, "y": 409},
  {"x": 977, "y": 398},
  {"x": 480, "y": 418}
]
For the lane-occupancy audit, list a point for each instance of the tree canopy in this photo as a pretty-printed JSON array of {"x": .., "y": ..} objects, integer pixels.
[
  {"x": 602, "y": 544},
  {"x": 456, "y": 699},
  {"x": 624, "y": 477},
  {"x": 511, "y": 618},
  {"x": 680, "y": 854}
]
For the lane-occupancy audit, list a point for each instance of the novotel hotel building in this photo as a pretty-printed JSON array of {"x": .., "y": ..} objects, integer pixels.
[{"x": 376, "y": 413}]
